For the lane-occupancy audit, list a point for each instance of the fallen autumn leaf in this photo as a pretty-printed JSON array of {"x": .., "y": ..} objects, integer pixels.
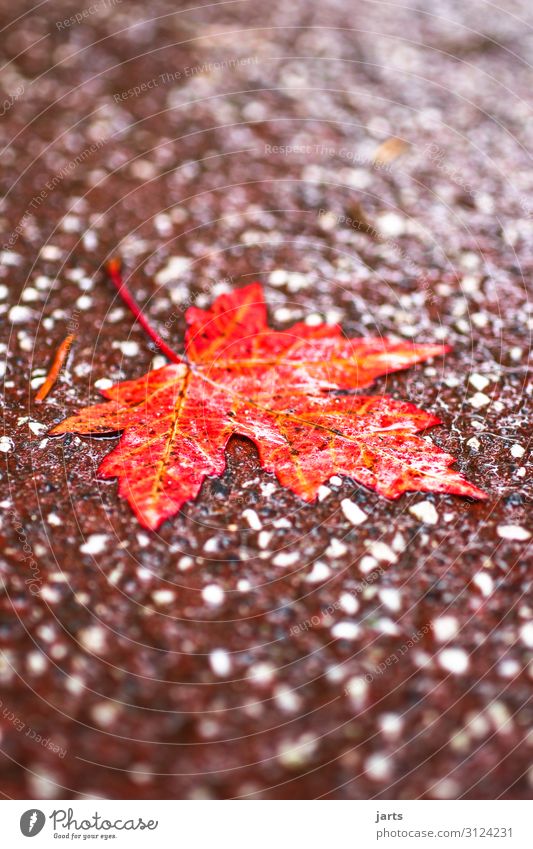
[{"x": 238, "y": 376}]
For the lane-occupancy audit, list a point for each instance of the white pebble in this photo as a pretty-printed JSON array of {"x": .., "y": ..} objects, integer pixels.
[
  {"x": 51, "y": 252},
  {"x": 353, "y": 513},
  {"x": 42, "y": 784},
  {"x": 367, "y": 564},
  {"x": 454, "y": 660},
  {"x": 336, "y": 548},
  {"x": 445, "y": 627},
  {"x": 391, "y": 224},
  {"x": 278, "y": 277},
  {"x": 75, "y": 685},
  {"x": 319, "y": 572},
  {"x": 526, "y": 634},
  {"x": 93, "y": 638},
  {"x": 517, "y": 450},
  {"x": 163, "y": 596},
  {"x": 105, "y": 713},
  {"x": 6, "y": 444},
  {"x": 509, "y": 668},
  {"x": 294, "y": 754},
  {"x": 29, "y": 294},
  {"x": 500, "y": 717},
  {"x": 213, "y": 594},
  {"x": 345, "y": 631},
  {"x": 252, "y": 518},
  {"x": 37, "y": 428},
  {"x": 391, "y": 598},
  {"x": 357, "y": 690},
  {"x": 479, "y": 400},
  {"x": 51, "y": 595},
  {"x": 323, "y": 492},
  {"x": 285, "y": 558},
  {"x": 175, "y": 267},
  {"x": 84, "y": 302},
  {"x": 129, "y": 348},
  {"x": 484, "y": 583},
  {"x": 95, "y": 544},
  {"x": 348, "y": 603},
  {"x": 37, "y": 662},
  {"x": 391, "y": 725},
  {"x": 20, "y": 315},
  {"x": 261, "y": 674},
  {"x": 446, "y": 788},
  {"x": 220, "y": 662},
  {"x": 386, "y": 626},
  {"x": 115, "y": 315},
  {"x": 286, "y": 699},
  {"x": 264, "y": 538},
  {"x": 43, "y": 282},
  {"x": 382, "y": 552},
  {"x": 71, "y": 224},
  {"x": 515, "y": 532},
  {"x": 103, "y": 383},
  {"x": 10, "y": 258},
  {"x": 425, "y": 512},
  {"x": 478, "y": 381},
  {"x": 378, "y": 767},
  {"x": 297, "y": 281},
  {"x": 281, "y": 523}
]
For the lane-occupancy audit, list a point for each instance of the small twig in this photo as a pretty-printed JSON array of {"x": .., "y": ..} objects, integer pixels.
[
  {"x": 57, "y": 365},
  {"x": 114, "y": 270}
]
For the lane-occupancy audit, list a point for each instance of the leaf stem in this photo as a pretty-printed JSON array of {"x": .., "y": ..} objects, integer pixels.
[{"x": 114, "y": 271}]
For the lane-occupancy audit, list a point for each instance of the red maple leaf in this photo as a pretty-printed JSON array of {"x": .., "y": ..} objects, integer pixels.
[{"x": 280, "y": 389}]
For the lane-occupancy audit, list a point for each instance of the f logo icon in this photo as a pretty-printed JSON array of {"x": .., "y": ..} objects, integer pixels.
[{"x": 32, "y": 822}]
